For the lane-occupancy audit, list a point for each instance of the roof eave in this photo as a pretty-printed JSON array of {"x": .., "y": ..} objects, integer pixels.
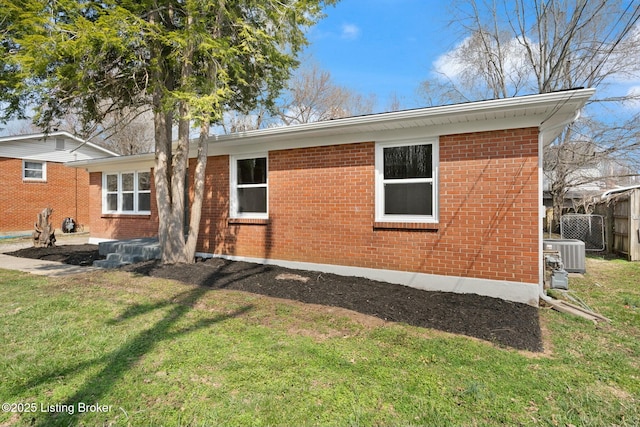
[
  {"x": 560, "y": 99},
  {"x": 553, "y": 110},
  {"x": 58, "y": 133}
]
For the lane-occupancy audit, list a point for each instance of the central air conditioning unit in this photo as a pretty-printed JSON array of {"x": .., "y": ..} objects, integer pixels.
[{"x": 572, "y": 252}]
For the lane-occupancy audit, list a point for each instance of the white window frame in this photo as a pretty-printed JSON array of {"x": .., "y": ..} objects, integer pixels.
[
  {"x": 120, "y": 192},
  {"x": 234, "y": 186},
  {"x": 25, "y": 169},
  {"x": 380, "y": 182}
]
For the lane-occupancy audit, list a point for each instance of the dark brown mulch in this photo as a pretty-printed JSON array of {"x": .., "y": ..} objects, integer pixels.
[
  {"x": 504, "y": 323},
  {"x": 68, "y": 254}
]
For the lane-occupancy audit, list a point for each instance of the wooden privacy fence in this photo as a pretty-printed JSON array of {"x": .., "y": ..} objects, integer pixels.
[{"x": 622, "y": 210}]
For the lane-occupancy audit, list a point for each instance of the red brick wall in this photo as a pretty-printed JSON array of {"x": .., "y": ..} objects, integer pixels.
[
  {"x": 322, "y": 210},
  {"x": 110, "y": 226},
  {"x": 489, "y": 205},
  {"x": 65, "y": 190}
]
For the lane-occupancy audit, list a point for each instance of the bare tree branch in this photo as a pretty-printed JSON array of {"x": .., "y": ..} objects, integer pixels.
[{"x": 542, "y": 46}]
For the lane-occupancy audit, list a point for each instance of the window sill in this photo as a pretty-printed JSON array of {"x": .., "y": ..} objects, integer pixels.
[
  {"x": 418, "y": 226},
  {"x": 126, "y": 215},
  {"x": 248, "y": 221},
  {"x": 34, "y": 181}
]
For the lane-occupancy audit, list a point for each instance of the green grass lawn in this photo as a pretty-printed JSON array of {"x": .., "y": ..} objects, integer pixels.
[{"x": 157, "y": 352}]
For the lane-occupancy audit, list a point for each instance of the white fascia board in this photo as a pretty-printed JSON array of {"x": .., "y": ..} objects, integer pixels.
[
  {"x": 545, "y": 111},
  {"x": 559, "y": 101},
  {"x": 542, "y": 111},
  {"x": 102, "y": 149},
  {"x": 116, "y": 164},
  {"x": 37, "y": 136},
  {"x": 250, "y": 145}
]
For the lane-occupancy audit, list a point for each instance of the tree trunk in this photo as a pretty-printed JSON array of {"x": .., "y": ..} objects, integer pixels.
[
  {"x": 44, "y": 234},
  {"x": 173, "y": 248},
  {"x": 171, "y": 172},
  {"x": 162, "y": 174},
  {"x": 198, "y": 193},
  {"x": 558, "y": 193}
]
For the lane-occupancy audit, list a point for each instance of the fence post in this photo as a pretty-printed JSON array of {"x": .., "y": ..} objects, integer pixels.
[{"x": 610, "y": 229}]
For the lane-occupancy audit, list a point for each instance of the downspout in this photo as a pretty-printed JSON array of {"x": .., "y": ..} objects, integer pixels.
[
  {"x": 542, "y": 212},
  {"x": 75, "y": 158}
]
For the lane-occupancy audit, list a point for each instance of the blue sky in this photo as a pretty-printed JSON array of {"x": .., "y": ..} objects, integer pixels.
[
  {"x": 382, "y": 46},
  {"x": 386, "y": 47},
  {"x": 379, "y": 47}
]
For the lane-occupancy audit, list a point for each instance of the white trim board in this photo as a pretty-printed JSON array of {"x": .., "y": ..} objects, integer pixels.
[
  {"x": 525, "y": 293},
  {"x": 98, "y": 240}
]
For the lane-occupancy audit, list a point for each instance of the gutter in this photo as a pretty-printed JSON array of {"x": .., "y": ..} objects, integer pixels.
[
  {"x": 506, "y": 104},
  {"x": 97, "y": 147},
  {"x": 618, "y": 190}
]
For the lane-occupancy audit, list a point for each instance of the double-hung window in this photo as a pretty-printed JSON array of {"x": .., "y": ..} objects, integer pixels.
[
  {"x": 249, "y": 189},
  {"x": 127, "y": 192},
  {"x": 406, "y": 181},
  {"x": 33, "y": 170}
]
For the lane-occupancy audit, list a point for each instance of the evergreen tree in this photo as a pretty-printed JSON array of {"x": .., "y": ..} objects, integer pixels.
[{"x": 190, "y": 60}]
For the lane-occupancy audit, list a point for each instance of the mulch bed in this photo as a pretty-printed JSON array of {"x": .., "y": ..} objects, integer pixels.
[
  {"x": 504, "y": 323},
  {"x": 69, "y": 254}
]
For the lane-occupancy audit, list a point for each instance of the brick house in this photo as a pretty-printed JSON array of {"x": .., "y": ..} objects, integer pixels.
[
  {"x": 33, "y": 176},
  {"x": 443, "y": 198}
]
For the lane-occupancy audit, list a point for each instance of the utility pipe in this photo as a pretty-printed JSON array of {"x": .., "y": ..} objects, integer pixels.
[{"x": 542, "y": 213}]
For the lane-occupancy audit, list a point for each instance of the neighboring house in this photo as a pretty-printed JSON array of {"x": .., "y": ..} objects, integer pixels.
[
  {"x": 593, "y": 180},
  {"x": 33, "y": 176},
  {"x": 444, "y": 198}
]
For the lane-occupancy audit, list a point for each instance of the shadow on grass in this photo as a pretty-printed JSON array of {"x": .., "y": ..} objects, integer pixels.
[
  {"x": 130, "y": 353},
  {"x": 498, "y": 321}
]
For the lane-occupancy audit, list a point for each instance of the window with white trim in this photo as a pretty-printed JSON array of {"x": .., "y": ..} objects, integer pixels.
[
  {"x": 406, "y": 181},
  {"x": 126, "y": 192},
  {"x": 248, "y": 186},
  {"x": 33, "y": 170}
]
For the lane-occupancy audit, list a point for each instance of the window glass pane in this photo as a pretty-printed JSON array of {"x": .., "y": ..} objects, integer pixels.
[
  {"x": 127, "y": 202},
  {"x": 252, "y": 171},
  {"x": 112, "y": 182},
  {"x": 410, "y": 161},
  {"x": 127, "y": 182},
  {"x": 33, "y": 165},
  {"x": 112, "y": 202},
  {"x": 144, "y": 202},
  {"x": 252, "y": 200},
  {"x": 30, "y": 173},
  {"x": 144, "y": 181},
  {"x": 408, "y": 199}
]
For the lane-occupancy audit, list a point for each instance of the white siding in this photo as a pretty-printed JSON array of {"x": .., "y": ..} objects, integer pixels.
[{"x": 45, "y": 149}]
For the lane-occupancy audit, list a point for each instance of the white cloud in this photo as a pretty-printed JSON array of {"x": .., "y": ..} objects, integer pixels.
[
  {"x": 448, "y": 63},
  {"x": 633, "y": 103},
  {"x": 350, "y": 31},
  {"x": 465, "y": 65},
  {"x": 454, "y": 62}
]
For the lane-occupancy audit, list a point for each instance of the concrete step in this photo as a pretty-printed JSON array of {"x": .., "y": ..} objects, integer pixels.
[
  {"x": 126, "y": 258},
  {"x": 148, "y": 247},
  {"x": 131, "y": 251},
  {"x": 103, "y": 263}
]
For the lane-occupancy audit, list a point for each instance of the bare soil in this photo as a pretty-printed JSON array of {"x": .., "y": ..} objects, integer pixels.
[{"x": 504, "y": 323}]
